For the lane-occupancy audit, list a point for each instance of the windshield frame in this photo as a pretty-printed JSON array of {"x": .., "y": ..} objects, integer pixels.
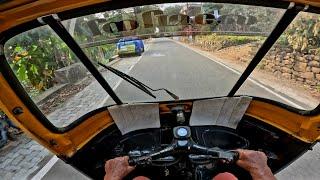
[{"x": 21, "y": 93}]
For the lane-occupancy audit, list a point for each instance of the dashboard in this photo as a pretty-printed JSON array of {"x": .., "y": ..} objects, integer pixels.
[{"x": 249, "y": 134}]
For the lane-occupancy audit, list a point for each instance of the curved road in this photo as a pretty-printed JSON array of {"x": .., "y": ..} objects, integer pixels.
[{"x": 167, "y": 64}]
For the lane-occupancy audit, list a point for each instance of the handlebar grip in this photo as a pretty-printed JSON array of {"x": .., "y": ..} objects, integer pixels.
[
  {"x": 234, "y": 156},
  {"x": 132, "y": 162},
  {"x": 142, "y": 160}
]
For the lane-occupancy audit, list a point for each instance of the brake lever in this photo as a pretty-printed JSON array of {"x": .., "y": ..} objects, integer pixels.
[
  {"x": 142, "y": 160},
  {"x": 213, "y": 153},
  {"x": 147, "y": 159},
  {"x": 230, "y": 156}
]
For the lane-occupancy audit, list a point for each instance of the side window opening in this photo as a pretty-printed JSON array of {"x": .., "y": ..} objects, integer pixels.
[{"x": 291, "y": 68}]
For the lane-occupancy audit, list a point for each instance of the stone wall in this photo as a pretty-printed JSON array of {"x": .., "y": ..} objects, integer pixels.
[
  {"x": 289, "y": 64},
  {"x": 283, "y": 62}
]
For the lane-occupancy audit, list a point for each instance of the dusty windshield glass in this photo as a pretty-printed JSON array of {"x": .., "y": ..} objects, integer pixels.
[
  {"x": 181, "y": 47},
  {"x": 159, "y": 45}
]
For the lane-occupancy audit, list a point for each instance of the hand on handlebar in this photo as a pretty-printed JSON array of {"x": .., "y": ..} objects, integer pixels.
[
  {"x": 117, "y": 168},
  {"x": 255, "y": 162}
]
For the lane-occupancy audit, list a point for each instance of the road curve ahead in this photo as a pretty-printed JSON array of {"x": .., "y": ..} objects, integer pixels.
[{"x": 167, "y": 64}]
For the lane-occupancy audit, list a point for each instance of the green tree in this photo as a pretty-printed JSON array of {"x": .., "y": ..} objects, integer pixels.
[
  {"x": 35, "y": 55},
  {"x": 175, "y": 9},
  {"x": 210, "y": 7}
]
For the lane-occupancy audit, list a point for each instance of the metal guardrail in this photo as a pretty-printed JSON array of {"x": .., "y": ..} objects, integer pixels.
[{"x": 176, "y": 33}]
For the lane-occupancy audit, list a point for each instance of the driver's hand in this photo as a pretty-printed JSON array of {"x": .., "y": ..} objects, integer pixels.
[
  {"x": 117, "y": 168},
  {"x": 255, "y": 162}
]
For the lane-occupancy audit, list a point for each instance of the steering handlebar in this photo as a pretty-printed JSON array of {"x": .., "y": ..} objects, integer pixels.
[{"x": 183, "y": 144}]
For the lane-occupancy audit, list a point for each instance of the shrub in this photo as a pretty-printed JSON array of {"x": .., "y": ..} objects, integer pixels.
[{"x": 216, "y": 42}]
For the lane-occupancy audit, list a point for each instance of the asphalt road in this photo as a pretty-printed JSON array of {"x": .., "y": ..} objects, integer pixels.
[{"x": 167, "y": 64}]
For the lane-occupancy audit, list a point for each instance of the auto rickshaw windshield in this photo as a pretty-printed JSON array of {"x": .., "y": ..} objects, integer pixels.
[{"x": 163, "y": 52}]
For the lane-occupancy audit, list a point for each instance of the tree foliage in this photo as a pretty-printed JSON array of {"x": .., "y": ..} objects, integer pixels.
[
  {"x": 244, "y": 18},
  {"x": 171, "y": 10},
  {"x": 35, "y": 54}
]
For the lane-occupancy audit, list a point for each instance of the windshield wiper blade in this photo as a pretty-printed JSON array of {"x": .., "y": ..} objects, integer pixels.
[
  {"x": 127, "y": 78},
  {"x": 137, "y": 83}
]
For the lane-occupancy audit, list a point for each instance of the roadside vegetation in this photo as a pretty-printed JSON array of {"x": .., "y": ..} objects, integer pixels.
[
  {"x": 35, "y": 55},
  {"x": 216, "y": 42}
]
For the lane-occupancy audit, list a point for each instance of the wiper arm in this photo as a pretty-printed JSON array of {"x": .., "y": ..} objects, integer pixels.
[
  {"x": 137, "y": 83},
  {"x": 128, "y": 78}
]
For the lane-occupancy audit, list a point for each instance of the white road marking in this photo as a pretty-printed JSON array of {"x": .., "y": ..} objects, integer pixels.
[
  {"x": 45, "y": 169},
  {"x": 250, "y": 79}
]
